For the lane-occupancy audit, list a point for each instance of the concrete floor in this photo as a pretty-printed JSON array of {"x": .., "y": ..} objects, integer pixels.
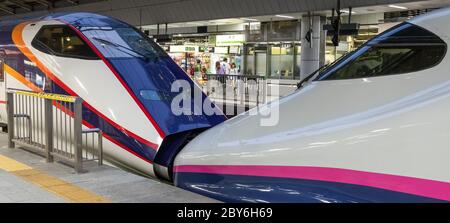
[
  {"x": 110, "y": 183},
  {"x": 15, "y": 190}
]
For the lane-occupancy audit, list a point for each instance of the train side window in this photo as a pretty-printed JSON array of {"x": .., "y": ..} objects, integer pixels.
[
  {"x": 62, "y": 41},
  {"x": 404, "y": 49}
]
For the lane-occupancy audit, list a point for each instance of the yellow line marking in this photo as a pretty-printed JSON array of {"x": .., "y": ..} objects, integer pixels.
[
  {"x": 52, "y": 184},
  {"x": 10, "y": 165}
]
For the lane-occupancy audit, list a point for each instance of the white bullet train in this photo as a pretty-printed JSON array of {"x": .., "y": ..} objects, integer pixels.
[
  {"x": 124, "y": 78},
  {"x": 374, "y": 127}
]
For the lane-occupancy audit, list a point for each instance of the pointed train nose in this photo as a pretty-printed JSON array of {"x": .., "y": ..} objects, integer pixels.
[{"x": 135, "y": 112}]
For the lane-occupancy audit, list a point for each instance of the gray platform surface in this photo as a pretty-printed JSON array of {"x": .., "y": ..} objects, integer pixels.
[
  {"x": 112, "y": 183},
  {"x": 16, "y": 190}
]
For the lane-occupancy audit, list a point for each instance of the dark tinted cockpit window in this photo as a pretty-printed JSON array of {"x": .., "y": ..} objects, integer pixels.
[
  {"x": 139, "y": 43},
  {"x": 123, "y": 42},
  {"x": 404, "y": 49},
  {"x": 60, "y": 40}
]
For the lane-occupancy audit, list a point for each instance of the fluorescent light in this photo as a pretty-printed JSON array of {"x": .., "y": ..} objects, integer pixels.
[
  {"x": 397, "y": 7},
  {"x": 285, "y": 16},
  {"x": 346, "y": 11},
  {"x": 249, "y": 19}
]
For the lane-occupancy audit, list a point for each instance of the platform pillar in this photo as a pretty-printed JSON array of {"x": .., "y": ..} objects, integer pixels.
[{"x": 313, "y": 51}]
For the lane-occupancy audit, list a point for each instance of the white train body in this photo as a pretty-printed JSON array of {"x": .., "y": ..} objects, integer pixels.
[
  {"x": 375, "y": 127},
  {"x": 124, "y": 78}
]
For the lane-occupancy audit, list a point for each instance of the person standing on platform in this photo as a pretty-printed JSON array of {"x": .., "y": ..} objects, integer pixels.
[
  {"x": 198, "y": 70},
  {"x": 219, "y": 69},
  {"x": 233, "y": 69},
  {"x": 226, "y": 66},
  {"x": 204, "y": 74},
  {"x": 234, "y": 72},
  {"x": 220, "y": 72},
  {"x": 191, "y": 71}
]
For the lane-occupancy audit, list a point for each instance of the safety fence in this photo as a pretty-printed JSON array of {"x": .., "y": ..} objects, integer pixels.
[
  {"x": 236, "y": 91},
  {"x": 51, "y": 125}
]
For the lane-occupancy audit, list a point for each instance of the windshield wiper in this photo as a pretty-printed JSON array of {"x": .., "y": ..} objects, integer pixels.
[
  {"x": 118, "y": 46},
  {"x": 301, "y": 83}
]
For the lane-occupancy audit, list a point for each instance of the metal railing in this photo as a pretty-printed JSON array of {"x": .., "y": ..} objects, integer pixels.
[
  {"x": 235, "y": 91},
  {"x": 51, "y": 125},
  {"x": 91, "y": 139}
]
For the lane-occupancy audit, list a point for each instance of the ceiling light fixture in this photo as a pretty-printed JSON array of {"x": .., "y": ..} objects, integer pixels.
[
  {"x": 249, "y": 19},
  {"x": 346, "y": 11},
  {"x": 285, "y": 16},
  {"x": 397, "y": 7}
]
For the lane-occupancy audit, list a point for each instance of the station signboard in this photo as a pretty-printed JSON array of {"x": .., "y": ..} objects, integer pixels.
[
  {"x": 183, "y": 49},
  {"x": 221, "y": 50},
  {"x": 230, "y": 40},
  {"x": 235, "y": 50},
  {"x": 206, "y": 49}
]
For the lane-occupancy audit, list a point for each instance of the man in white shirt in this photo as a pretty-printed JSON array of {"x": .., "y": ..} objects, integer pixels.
[{"x": 226, "y": 66}]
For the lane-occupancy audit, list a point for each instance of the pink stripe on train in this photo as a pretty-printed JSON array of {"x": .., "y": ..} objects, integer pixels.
[{"x": 410, "y": 185}]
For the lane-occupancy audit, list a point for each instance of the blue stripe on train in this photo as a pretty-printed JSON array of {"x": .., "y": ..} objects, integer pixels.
[{"x": 233, "y": 188}]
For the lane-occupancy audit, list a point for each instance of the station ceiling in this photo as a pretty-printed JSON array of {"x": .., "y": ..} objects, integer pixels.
[
  {"x": 149, "y": 12},
  {"x": 16, "y": 7}
]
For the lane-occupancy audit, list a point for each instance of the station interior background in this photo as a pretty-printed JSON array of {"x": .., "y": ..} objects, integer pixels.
[
  {"x": 268, "y": 47},
  {"x": 263, "y": 38}
]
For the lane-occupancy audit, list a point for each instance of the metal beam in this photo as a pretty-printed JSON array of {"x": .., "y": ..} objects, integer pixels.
[
  {"x": 43, "y": 2},
  {"x": 7, "y": 9},
  {"x": 48, "y": 4},
  {"x": 21, "y": 4}
]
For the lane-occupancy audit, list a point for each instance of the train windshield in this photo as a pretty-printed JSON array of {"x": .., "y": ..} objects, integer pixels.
[
  {"x": 403, "y": 49},
  {"x": 127, "y": 42},
  {"x": 62, "y": 41}
]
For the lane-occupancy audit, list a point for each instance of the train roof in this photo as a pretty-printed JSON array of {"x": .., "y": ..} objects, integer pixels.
[{"x": 436, "y": 22}]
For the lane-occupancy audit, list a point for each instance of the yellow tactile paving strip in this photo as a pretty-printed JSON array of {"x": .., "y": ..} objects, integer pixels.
[{"x": 52, "y": 184}]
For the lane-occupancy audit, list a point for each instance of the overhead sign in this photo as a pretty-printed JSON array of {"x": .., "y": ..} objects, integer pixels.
[
  {"x": 221, "y": 50},
  {"x": 230, "y": 40},
  {"x": 183, "y": 49},
  {"x": 235, "y": 50}
]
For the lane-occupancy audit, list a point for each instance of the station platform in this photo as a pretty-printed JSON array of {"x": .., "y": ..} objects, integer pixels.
[{"x": 27, "y": 178}]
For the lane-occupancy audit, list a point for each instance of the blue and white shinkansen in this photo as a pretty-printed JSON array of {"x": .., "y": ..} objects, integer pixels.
[
  {"x": 373, "y": 127},
  {"x": 124, "y": 78}
]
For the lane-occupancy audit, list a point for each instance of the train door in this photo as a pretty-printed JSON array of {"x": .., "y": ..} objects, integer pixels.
[{"x": 2, "y": 88}]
